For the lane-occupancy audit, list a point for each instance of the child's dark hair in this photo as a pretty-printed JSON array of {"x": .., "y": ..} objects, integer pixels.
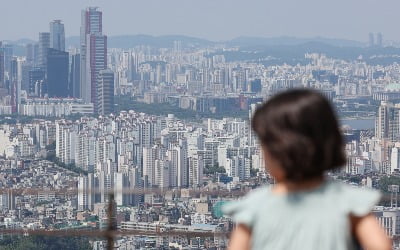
[{"x": 300, "y": 130}]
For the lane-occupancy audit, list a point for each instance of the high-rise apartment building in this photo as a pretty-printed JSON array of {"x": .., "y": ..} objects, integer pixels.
[
  {"x": 179, "y": 171},
  {"x": 161, "y": 173},
  {"x": 65, "y": 142},
  {"x": 196, "y": 166},
  {"x": 93, "y": 53},
  {"x": 85, "y": 153},
  {"x": 44, "y": 44},
  {"x": 57, "y": 35},
  {"x": 149, "y": 157},
  {"x": 121, "y": 183},
  {"x": 57, "y": 73},
  {"x": 105, "y": 92},
  {"x": 395, "y": 159},
  {"x": 86, "y": 193},
  {"x": 387, "y": 123}
]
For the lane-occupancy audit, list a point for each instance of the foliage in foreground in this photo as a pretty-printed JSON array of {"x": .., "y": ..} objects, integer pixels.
[{"x": 39, "y": 242}]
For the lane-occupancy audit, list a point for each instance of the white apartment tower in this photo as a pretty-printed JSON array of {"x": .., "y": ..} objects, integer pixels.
[
  {"x": 149, "y": 157},
  {"x": 161, "y": 172},
  {"x": 178, "y": 157},
  {"x": 182, "y": 167},
  {"x": 395, "y": 159},
  {"x": 196, "y": 167},
  {"x": 387, "y": 121},
  {"x": 121, "y": 184},
  {"x": 65, "y": 142},
  {"x": 85, "y": 153},
  {"x": 86, "y": 192}
]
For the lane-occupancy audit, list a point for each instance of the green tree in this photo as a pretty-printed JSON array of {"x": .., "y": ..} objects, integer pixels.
[
  {"x": 385, "y": 181},
  {"x": 40, "y": 242},
  {"x": 214, "y": 169}
]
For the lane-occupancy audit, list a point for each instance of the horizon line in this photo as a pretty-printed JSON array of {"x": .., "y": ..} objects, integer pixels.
[{"x": 212, "y": 40}]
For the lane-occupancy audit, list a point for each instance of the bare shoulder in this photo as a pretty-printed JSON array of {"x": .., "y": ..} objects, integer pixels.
[
  {"x": 369, "y": 233},
  {"x": 240, "y": 238}
]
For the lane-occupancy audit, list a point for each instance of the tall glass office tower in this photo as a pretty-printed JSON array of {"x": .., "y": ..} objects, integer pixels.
[
  {"x": 93, "y": 53},
  {"x": 57, "y": 35},
  {"x": 44, "y": 44},
  {"x": 57, "y": 73}
]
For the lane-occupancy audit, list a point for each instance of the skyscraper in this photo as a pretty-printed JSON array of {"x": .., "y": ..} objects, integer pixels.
[
  {"x": 371, "y": 40},
  {"x": 29, "y": 53},
  {"x": 74, "y": 75},
  {"x": 57, "y": 35},
  {"x": 14, "y": 85},
  {"x": 57, "y": 73},
  {"x": 105, "y": 92},
  {"x": 26, "y": 67},
  {"x": 37, "y": 77},
  {"x": 8, "y": 54},
  {"x": 96, "y": 61},
  {"x": 2, "y": 83},
  {"x": 44, "y": 44},
  {"x": 93, "y": 53},
  {"x": 36, "y": 54},
  {"x": 379, "y": 40}
]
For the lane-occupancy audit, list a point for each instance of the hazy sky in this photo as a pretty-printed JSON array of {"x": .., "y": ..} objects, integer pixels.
[{"x": 211, "y": 19}]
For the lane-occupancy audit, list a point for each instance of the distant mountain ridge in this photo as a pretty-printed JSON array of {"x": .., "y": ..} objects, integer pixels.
[
  {"x": 287, "y": 40},
  {"x": 130, "y": 41},
  {"x": 268, "y": 51}
]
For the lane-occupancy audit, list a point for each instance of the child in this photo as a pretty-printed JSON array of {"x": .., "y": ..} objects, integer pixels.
[{"x": 300, "y": 139}]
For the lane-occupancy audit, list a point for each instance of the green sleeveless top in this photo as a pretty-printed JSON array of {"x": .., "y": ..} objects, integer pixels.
[{"x": 310, "y": 220}]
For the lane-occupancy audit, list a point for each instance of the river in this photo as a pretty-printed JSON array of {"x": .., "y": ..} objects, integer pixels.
[{"x": 365, "y": 123}]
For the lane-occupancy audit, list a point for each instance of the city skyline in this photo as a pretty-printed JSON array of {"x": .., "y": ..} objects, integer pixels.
[
  {"x": 258, "y": 18},
  {"x": 138, "y": 142}
]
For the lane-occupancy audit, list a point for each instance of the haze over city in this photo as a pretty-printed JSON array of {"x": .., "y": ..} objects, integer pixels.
[
  {"x": 143, "y": 124},
  {"x": 210, "y": 19}
]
